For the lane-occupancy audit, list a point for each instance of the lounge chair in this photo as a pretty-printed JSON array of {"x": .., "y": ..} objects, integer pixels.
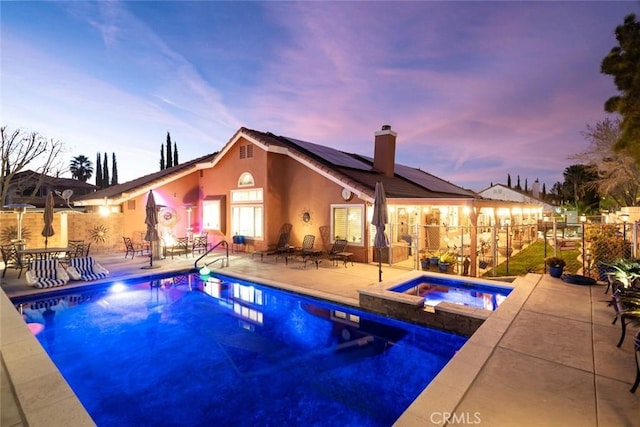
[
  {"x": 337, "y": 252},
  {"x": 46, "y": 273},
  {"x": 86, "y": 268},
  {"x": 280, "y": 248}
]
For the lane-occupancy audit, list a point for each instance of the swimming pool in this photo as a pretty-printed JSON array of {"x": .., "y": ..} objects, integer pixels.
[
  {"x": 467, "y": 293},
  {"x": 180, "y": 351}
]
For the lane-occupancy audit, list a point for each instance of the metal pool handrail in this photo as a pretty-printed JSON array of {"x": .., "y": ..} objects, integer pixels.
[{"x": 222, "y": 243}]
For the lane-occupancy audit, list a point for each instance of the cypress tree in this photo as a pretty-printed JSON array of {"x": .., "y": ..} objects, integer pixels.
[
  {"x": 99, "y": 182},
  {"x": 175, "y": 154},
  {"x": 169, "y": 151},
  {"x": 162, "y": 157},
  {"x": 105, "y": 171},
  {"x": 526, "y": 185},
  {"x": 509, "y": 180},
  {"x": 114, "y": 170},
  {"x": 518, "y": 187}
]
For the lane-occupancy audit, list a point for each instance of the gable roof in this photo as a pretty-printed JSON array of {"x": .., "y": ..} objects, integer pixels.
[
  {"x": 122, "y": 192},
  {"x": 525, "y": 196},
  {"x": 352, "y": 171},
  {"x": 357, "y": 171}
]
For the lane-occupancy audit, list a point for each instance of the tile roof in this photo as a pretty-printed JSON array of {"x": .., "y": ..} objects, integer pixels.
[
  {"x": 407, "y": 182},
  {"x": 119, "y": 190}
]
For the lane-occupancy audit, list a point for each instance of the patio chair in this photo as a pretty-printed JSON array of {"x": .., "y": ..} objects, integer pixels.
[
  {"x": 200, "y": 243},
  {"x": 11, "y": 259},
  {"x": 86, "y": 268},
  {"x": 626, "y": 303},
  {"x": 133, "y": 248},
  {"x": 636, "y": 352},
  {"x": 337, "y": 252},
  {"x": 46, "y": 273},
  {"x": 307, "y": 252},
  {"x": 180, "y": 246}
]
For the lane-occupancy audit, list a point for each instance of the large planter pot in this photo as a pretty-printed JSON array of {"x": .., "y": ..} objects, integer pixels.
[
  {"x": 555, "y": 271},
  {"x": 443, "y": 267},
  {"x": 434, "y": 260},
  {"x": 424, "y": 263}
]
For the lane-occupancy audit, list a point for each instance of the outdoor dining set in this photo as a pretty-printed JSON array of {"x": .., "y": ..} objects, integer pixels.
[{"x": 52, "y": 266}]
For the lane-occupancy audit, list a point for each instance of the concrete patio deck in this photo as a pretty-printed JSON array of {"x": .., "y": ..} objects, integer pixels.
[{"x": 546, "y": 357}]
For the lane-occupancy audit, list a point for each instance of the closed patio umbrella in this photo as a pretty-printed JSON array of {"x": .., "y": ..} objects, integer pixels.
[
  {"x": 379, "y": 219},
  {"x": 151, "y": 220},
  {"x": 48, "y": 230}
]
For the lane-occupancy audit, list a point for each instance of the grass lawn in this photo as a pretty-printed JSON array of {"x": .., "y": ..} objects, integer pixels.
[{"x": 531, "y": 260}]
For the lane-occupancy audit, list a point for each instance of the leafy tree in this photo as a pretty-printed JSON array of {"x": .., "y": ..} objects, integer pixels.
[
  {"x": 618, "y": 174},
  {"x": 105, "y": 172},
  {"x": 99, "y": 180},
  {"x": 578, "y": 187},
  {"x": 20, "y": 151},
  {"x": 623, "y": 63},
  {"x": 114, "y": 169},
  {"x": 169, "y": 152},
  {"x": 81, "y": 168}
]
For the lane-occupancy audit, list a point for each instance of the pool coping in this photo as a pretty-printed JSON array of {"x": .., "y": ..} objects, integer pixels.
[
  {"x": 445, "y": 392},
  {"x": 58, "y": 405}
]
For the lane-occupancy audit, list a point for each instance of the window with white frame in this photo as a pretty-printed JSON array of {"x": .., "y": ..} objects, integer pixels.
[
  {"x": 246, "y": 180},
  {"x": 212, "y": 215},
  {"x": 247, "y": 214},
  {"x": 347, "y": 222}
]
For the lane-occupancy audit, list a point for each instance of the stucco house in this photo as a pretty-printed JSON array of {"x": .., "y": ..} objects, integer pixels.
[{"x": 260, "y": 181}]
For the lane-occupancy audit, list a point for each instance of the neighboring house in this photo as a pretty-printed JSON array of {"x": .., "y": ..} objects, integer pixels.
[
  {"x": 31, "y": 187},
  {"x": 505, "y": 193},
  {"x": 260, "y": 181}
]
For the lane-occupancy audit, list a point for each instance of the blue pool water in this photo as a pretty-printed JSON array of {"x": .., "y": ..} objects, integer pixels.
[
  {"x": 178, "y": 351},
  {"x": 436, "y": 290}
]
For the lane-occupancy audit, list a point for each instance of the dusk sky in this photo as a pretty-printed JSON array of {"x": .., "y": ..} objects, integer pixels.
[{"x": 475, "y": 90}]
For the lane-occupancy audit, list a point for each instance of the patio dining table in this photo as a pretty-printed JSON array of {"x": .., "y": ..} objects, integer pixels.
[{"x": 26, "y": 255}]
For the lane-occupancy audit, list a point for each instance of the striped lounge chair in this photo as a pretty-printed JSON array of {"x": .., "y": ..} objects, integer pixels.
[
  {"x": 46, "y": 273},
  {"x": 86, "y": 268}
]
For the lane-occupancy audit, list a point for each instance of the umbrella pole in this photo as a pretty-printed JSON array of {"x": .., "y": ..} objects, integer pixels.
[
  {"x": 379, "y": 265},
  {"x": 151, "y": 253}
]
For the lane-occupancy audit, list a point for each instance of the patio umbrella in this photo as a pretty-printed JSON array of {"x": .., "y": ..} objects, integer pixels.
[
  {"x": 151, "y": 220},
  {"x": 379, "y": 219},
  {"x": 48, "y": 230}
]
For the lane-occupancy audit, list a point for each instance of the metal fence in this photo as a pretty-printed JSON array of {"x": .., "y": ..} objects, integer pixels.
[{"x": 497, "y": 244}]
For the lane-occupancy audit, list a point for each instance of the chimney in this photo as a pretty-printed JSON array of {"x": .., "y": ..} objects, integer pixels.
[
  {"x": 384, "y": 155},
  {"x": 535, "y": 189}
]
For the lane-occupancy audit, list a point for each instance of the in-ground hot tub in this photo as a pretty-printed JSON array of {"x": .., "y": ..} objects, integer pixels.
[{"x": 455, "y": 304}]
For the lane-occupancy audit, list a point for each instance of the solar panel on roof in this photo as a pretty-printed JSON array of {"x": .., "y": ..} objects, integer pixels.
[
  {"x": 332, "y": 155},
  {"x": 428, "y": 181}
]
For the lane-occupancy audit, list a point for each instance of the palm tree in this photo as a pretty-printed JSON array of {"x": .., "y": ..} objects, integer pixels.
[{"x": 81, "y": 168}]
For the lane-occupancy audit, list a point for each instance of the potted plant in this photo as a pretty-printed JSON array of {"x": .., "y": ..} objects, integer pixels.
[
  {"x": 556, "y": 266},
  {"x": 424, "y": 260},
  {"x": 445, "y": 261}
]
